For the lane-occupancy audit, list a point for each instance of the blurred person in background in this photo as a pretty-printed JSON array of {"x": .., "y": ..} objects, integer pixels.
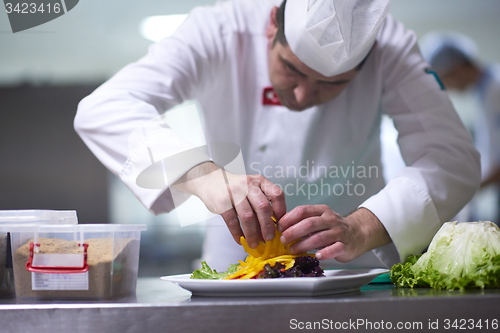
[{"x": 454, "y": 58}]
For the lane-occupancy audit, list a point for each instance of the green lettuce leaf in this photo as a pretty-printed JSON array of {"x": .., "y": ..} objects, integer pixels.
[
  {"x": 403, "y": 276},
  {"x": 460, "y": 256},
  {"x": 207, "y": 273}
]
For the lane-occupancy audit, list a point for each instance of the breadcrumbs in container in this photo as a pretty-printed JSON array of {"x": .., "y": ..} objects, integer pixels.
[{"x": 95, "y": 261}]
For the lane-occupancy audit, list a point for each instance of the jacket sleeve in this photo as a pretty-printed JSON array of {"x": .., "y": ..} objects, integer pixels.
[
  {"x": 442, "y": 166},
  {"x": 121, "y": 121}
]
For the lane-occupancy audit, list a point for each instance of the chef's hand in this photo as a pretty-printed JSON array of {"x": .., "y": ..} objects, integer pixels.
[
  {"x": 342, "y": 238},
  {"x": 243, "y": 201}
]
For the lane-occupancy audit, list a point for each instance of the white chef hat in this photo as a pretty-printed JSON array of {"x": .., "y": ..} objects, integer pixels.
[
  {"x": 333, "y": 36},
  {"x": 445, "y": 50}
]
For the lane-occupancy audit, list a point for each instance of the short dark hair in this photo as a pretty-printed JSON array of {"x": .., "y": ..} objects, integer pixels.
[
  {"x": 280, "y": 34},
  {"x": 450, "y": 54},
  {"x": 280, "y": 19}
]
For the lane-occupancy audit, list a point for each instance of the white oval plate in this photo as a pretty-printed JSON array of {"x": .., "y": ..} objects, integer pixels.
[{"x": 335, "y": 282}]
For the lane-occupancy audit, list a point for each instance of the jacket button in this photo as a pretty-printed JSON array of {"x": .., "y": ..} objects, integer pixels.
[{"x": 263, "y": 148}]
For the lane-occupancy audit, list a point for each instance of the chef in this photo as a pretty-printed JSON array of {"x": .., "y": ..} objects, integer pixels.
[
  {"x": 454, "y": 58},
  {"x": 300, "y": 86}
]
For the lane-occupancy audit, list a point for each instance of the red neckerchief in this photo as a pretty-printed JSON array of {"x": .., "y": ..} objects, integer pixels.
[{"x": 269, "y": 97}]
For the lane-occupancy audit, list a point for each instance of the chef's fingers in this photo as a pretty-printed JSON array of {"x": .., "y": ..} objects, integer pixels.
[
  {"x": 274, "y": 194},
  {"x": 336, "y": 251},
  {"x": 314, "y": 241},
  {"x": 249, "y": 223},
  {"x": 263, "y": 210},
  {"x": 303, "y": 229},
  {"x": 298, "y": 214},
  {"x": 233, "y": 224}
]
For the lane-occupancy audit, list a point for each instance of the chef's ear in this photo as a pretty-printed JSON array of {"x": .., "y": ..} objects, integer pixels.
[{"x": 272, "y": 28}]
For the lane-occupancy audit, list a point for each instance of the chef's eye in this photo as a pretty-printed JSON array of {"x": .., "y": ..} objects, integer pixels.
[
  {"x": 334, "y": 84},
  {"x": 291, "y": 69}
]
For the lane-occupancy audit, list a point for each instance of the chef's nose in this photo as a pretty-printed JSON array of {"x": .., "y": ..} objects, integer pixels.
[{"x": 305, "y": 91}]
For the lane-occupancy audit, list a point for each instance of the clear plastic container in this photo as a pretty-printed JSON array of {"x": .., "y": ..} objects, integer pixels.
[
  {"x": 13, "y": 218},
  {"x": 92, "y": 261},
  {"x": 37, "y": 216}
]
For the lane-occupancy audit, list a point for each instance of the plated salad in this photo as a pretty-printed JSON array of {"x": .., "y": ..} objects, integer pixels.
[{"x": 269, "y": 260}]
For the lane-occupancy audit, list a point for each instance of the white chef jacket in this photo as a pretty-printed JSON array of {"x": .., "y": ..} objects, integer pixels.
[
  {"x": 487, "y": 125},
  {"x": 219, "y": 56}
]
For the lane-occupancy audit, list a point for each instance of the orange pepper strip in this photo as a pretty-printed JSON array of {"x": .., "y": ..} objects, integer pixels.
[
  {"x": 267, "y": 250},
  {"x": 274, "y": 247},
  {"x": 255, "y": 271},
  {"x": 285, "y": 257},
  {"x": 290, "y": 264},
  {"x": 247, "y": 248},
  {"x": 266, "y": 253},
  {"x": 281, "y": 249},
  {"x": 260, "y": 248}
]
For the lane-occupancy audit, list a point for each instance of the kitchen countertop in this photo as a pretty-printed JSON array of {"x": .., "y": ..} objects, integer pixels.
[{"x": 161, "y": 306}]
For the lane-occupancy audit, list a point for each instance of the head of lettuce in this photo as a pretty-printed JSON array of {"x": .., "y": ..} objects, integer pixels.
[{"x": 461, "y": 255}]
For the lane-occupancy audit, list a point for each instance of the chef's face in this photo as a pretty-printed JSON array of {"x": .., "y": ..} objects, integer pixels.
[
  {"x": 299, "y": 87},
  {"x": 460, "y": 78}
]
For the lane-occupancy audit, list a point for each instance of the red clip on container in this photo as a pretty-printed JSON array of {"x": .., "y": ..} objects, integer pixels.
[
  {"x": 57, "y": 269},
  {"x": 9, "y": 220}
]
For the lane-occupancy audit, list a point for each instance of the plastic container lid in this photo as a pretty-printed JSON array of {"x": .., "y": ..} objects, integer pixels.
[
  {"x": 12, "y": 218},
  {"x": 52, "y": 228}
]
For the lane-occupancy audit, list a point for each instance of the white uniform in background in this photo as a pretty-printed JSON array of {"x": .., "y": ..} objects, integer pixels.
[
  {"x": 219, "y": 56},
  {"x": 487, "y": 125},
  {"x": 447, "y": 51},
  {"x": 487, "y": 133}
]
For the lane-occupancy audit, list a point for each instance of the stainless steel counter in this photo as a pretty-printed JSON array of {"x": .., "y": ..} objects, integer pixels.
[{"x": 160, "y": 306}]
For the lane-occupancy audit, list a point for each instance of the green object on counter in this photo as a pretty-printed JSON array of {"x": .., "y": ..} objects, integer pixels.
[
  {"x": 460, "y": 256},
  {"x": 382, "y": 278},
  {"x": 207, "y": 273}
]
